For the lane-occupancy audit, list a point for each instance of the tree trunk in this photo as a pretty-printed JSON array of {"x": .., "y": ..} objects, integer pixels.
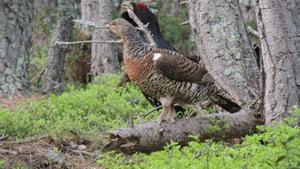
[
  {"x": 278, "y": 38},
  {"x": 55, "y": 61},
  {"x": 40, "y": 5},
  {"x": 294, "y": 7},
  {"x": 15, "y": 43},
  {"x": 151, "y": 136},
  {"x": 194, "y": 51},
  {"x": 104, "y": 56},
  {"x": 223, "y": 41}
]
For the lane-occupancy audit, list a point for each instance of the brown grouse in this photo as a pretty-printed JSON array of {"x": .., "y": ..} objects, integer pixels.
[{"x": 165, "y": 75}]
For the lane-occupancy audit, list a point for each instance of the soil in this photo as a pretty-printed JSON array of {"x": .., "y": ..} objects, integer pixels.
[{"x": 46, "y": 153}]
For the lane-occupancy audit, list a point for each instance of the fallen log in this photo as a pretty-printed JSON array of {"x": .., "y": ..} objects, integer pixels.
[{"x": 151, "y": 136}]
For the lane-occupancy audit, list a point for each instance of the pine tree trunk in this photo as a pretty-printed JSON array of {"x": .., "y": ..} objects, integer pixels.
[
  {"x": 278, "y": 38},
  {"x": 55, "y": 61},
  {"x": 294, "y": 7},
  {"x": 104, "y": 56},
  {"x": 15, "y": 43},
  {"x": 40, "y": 5},
  {"x": 223, "y": 41}
]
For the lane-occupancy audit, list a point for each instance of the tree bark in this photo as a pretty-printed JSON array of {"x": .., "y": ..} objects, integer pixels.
[
  {"x": 278, "y": 38},
  {"x": 194, "y": 51},
  {"x": 40, "y": 5},
  {"x": 294, "y": 7},
  {"x": 55, "y": 61},
  {"x": 151, "y": 136},
  {"x": 15, "y": 43},
  {"x": 104, "y": 56},
  {"x": 223, "y": 41}
]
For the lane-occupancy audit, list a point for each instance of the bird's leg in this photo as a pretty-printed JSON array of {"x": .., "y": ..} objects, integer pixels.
[
  {"x": 162, "y": 116},
  {"x": 168, "y": 110},
  {"x": 171, "y": 113}
]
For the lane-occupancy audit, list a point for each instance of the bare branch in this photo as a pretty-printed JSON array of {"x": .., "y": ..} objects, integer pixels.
[
  {"x": 185, "y": 23},
  {"x": 38, "y": 76},
  {"x": 151, "y": 111},
  {"x": 252, "y": 31},
  {"x": 142, "y": 27},
  {"x": 87, "y": 41},
  {"x": 184, "y": 2}
]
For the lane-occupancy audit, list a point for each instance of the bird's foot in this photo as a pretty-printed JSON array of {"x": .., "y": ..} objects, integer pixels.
[
  {"x": 171, "y": 116},
  {"x": 160, "y": 120}
]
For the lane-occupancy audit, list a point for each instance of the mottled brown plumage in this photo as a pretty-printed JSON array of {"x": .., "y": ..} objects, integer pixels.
[{"x": 165, "y": 75}]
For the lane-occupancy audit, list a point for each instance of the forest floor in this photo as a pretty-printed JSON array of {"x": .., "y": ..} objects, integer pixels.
[
  {"x": 39, "y": 153},
  {"x": 13, "y": 102}
]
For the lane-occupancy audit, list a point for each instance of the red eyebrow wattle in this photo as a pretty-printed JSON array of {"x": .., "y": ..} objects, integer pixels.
[{"x": 141, "y": 6}]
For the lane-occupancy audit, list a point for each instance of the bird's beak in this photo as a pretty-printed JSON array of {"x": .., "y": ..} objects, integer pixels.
[
  {"x": 126, "y": 5},
  {"x": 107, "y": 26}
]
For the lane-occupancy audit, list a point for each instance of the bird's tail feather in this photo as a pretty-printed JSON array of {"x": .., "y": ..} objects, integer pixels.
[{"x": 226, "y": 104}]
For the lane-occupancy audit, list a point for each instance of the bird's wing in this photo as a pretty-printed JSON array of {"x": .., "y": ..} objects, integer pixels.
[{"x": 178, "y": 67}]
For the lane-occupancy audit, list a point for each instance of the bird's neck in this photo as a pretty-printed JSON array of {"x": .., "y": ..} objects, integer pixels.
[
  {"x": 155, "y": 30},
  {"x": 134, "y": 44}
]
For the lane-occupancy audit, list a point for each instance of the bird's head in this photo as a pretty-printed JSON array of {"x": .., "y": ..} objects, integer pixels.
[
  {"x": 141, "y": 10},
  {"x": 121, "y": 27}
]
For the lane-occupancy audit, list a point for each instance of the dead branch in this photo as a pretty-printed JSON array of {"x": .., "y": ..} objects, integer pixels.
[
  {"x": 184, "y": 2},
  {"x": 151, "y": 111},
  {"x": 151, "y": 136},
  {"x": 37, "y": 77},
  {"x": 87, "y": 41},
  {"x": 142, "y": 27},
  {"x": 185, "y": 23},
  {"x": 252, "y": 31}
]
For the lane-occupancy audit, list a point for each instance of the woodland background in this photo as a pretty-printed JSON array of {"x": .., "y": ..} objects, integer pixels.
[{"x": 59, "y": 101}]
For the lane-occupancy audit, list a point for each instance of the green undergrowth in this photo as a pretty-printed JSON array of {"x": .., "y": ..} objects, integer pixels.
[
  {"x": 88, "y": 111},
  {"x": 272, "y": 147}
]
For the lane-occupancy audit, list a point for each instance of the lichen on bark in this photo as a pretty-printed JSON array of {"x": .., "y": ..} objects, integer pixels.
[{"x": 15, "y": 43}]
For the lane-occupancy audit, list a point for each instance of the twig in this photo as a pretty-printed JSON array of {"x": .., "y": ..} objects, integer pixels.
[
  {"x": 184, "y": 2},
  {"x": 252, "y": 31},
  {"x": 185, "y": 23},
  {"x": 80, "y": 42},
  {"x": 3, "y": 137},
  {"x": 3, "y": 151},
  {"x": 86, "y": 24},
  {"x": 142, "y": 27},
  {"x": 151, "y": 111},
  {"x": 38, "y": 76},
  {"x": 200, "y": 152}
]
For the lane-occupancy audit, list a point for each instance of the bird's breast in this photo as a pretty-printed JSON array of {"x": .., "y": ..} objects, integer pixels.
[{"x": 136, "y": 68}]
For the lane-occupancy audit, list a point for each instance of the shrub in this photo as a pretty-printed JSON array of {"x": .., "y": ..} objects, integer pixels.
[{"x": 96, "y": 109}]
